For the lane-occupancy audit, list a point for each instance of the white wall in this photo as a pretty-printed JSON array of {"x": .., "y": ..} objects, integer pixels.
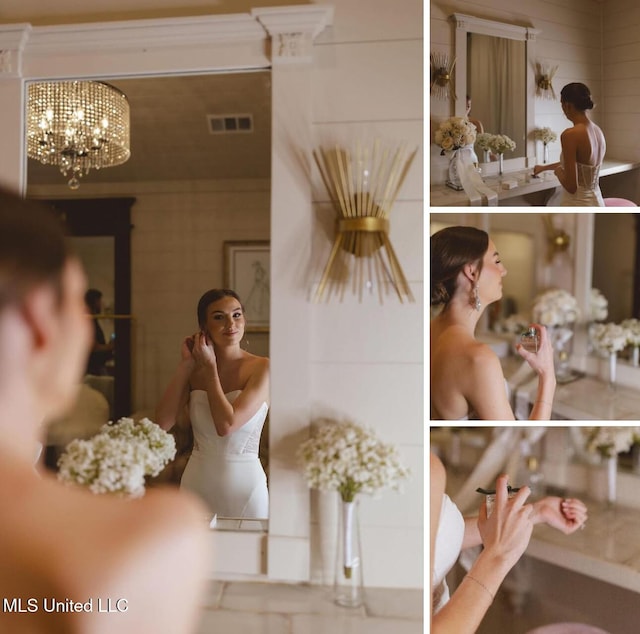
[{"x": 366, "y": 358}]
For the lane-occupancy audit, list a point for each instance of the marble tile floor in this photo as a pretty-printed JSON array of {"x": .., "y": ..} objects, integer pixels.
[{"x": 273, "y": 608}]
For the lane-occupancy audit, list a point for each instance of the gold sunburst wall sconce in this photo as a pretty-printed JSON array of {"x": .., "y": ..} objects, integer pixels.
[
  {"x": 558, "y": 240},
  {"x": 363, "y": 187},
  {"x": 442, "y": 76},
  {"x": 544, "y": 80}
]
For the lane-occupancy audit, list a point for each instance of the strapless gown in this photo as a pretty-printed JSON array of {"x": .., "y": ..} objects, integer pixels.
[
  {"x": 447, "y": 550},
  {"x": 226, "y": 471},
  {"x": 588, "y": 192}
]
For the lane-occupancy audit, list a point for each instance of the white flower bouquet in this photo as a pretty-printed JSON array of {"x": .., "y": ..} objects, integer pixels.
[
  {"x": 609, "y": 337},
  {"x": 501, "y": 143},
  {"x": 632, "y": 327},
  {"x": 117, "y": 459},
  {"x": 484, "y": 140},
  {"x": 598, "y": 306},
  {"x": 515, "y": 324},
  {"x": 610, "y": 441},
  {"x": 455, "y": 133},
  {"x": 546, "y": 135},
  {"x": 350, "y": 459},
  {"x": 555, "y": 307}
]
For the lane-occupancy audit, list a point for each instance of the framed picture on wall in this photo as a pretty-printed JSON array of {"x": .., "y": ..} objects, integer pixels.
[{"x": 247, "y": 271}]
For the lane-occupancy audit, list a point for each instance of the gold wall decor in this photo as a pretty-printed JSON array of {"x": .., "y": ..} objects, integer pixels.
[
  {"x": 544, "y": 79},
  {"x": 558, "y": 240},
  {"x": 442, "y": 76},
  {"x": 363, "y": 187}
]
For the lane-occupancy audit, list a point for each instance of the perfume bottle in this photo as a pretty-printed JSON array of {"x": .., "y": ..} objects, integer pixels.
[{"x": 530, "y": 340}]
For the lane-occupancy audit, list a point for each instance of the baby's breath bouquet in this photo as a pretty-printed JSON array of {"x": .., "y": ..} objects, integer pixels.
[
  {"x": 501, "y": 143},
  {"x": 555, "y": 307},
  {"x": 455, "y": 133},
  {"x": 351, "y": 459},
  {"x": 546, "y": 135},
  {"x": 632, "y": 327},
  {"x": 117, "y": 459}
]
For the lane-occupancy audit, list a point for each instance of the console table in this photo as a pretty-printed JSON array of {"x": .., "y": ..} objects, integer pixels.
[{"x": 443, "y": 196}]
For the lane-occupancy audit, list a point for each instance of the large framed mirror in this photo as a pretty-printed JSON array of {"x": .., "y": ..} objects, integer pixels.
[
  {"x": 279, "y": 39},
  {"x": 494, "y": 77}
]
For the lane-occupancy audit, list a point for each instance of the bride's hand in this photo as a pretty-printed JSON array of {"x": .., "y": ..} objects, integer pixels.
[
  {"x": 565, "y": 514},
  {"x": 506, "y": 532},
  {"x": 541, "y": 361},
  {"x": 203, "y": 352},
  {"x": 538, "y": 168}
]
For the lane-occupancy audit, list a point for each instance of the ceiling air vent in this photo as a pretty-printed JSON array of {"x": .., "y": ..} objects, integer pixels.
[{"x": 230, "y": 123}]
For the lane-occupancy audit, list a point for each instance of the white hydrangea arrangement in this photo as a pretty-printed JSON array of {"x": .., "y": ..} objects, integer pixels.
[
  {"x": 598, "y": 306},
  {"x": 546, "y": 135},
  {"x": 500, "y": 143},
  {"x": 455, "y": 133},
  {"x": 555, "y": 307},
  {"x": 609, "y": 337},
  {"x": 351, "y": 459},
  {"x": 610, "y": 441},
  {"x": 117, "y": 459}
]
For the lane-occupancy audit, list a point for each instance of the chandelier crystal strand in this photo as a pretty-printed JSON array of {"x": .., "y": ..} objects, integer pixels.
[{"x": 77, "y": 126}]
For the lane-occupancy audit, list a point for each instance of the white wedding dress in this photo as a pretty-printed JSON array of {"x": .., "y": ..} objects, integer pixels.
[
  {"x": 447, "y": 550},
  {"x": 225, "y": 471},
  {"x": 588, "y": 192}
]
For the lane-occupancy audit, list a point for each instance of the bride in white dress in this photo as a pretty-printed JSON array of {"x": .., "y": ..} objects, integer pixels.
[
  {"x": 504, "y": 535},
  {"x": 227, "y": 392},
  {"x": 466, "y": 375},
  {"x": 583, "y": 149}
]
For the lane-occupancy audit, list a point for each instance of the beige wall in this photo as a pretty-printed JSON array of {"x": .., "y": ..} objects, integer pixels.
[{"x": 366, "y": 359}]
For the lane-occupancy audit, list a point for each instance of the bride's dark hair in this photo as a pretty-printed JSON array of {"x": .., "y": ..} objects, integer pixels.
[
  {"x": 451, "y": 249},
  {"x": 578, "y": 95}
]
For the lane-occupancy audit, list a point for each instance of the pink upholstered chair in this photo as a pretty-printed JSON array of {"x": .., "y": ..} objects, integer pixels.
[
  {"x": 567, "y": 628},
  {"x": 618, "y": 202}
]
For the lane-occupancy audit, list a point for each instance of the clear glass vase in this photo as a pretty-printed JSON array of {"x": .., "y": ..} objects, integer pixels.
[
  {"x": 545, "y": 153},
  {"x": 348, "y": 587}
]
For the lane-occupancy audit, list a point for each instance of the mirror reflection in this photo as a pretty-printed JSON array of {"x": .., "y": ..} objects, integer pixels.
[
  {"x": 496, "y": 88},
  {"x": 192, "y": 187}
]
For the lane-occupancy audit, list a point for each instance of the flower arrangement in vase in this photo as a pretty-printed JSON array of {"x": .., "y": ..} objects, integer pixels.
[
  {"x": 558, "y": 310},
  {"x": 632, "y": 327},
  {"x": 607, "y": 443},
  {"x": 117, "y": 459},
  {"x": 348, "y": 458},
  {"x": 483, "y": 140},
  {"x": 499, "y": 144},
  {"x": 546, "y": 135},
  {"x": 453, "y": 136},
  {"x": 609, "y": 339}
]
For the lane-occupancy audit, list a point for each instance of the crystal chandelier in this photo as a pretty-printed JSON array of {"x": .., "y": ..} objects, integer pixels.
[{"x": 78, "y": 126}]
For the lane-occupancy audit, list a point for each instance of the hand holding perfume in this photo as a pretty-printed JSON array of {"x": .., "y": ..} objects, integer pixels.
[{"x": 530, "y": 340}]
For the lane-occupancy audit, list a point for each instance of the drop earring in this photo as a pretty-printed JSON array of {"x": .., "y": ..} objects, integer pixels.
[{"x": 476, "y": 303}]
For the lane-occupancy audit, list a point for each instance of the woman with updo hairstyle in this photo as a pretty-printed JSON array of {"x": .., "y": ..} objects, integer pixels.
[
  {"x": 225, "y": 390},
  {"x": 466, "y": 375},
  {"x": 583, "y": 149}
]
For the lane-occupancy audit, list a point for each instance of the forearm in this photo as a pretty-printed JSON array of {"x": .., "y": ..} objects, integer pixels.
[
  {"x": 473, "y": 597},
  {"x": 222, "y": 412},
  {"x": 173, "y": 397},
  {"x": 471, "y": 533},
  {"x": 549, "y": 166},
  {"x": 543, "y": 405}
]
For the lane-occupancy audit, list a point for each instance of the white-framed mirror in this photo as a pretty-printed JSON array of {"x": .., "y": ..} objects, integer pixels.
[
  {"x": 504, "y": 102},
  {"x": 276, "y": 38}
]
